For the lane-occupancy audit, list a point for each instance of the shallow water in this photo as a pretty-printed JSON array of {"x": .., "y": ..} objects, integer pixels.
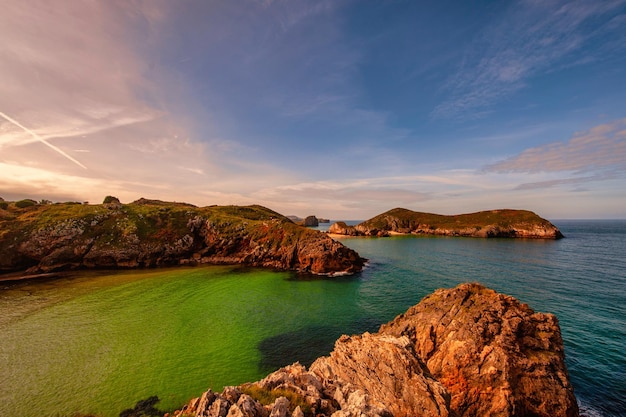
[{"x": 99, "y": 343}]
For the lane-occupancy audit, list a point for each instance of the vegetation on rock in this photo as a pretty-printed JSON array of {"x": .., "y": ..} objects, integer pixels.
[
  {"x": 25, "y": 203},
  {"x": 150, "y": 233},
  {"x": 492, "y": 223}
]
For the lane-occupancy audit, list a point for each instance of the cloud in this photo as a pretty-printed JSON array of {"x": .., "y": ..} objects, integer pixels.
[
  {"x": 562, "y": 181},
  {"x": 80, "y": 90},
  {"x": 529, "y": 39},
  {"x": 69, "y": 69},
  {"x": 40, "y": 139},
  {"x": 598, "y": 149}
]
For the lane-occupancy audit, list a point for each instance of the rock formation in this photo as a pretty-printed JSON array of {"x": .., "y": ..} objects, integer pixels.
[
  {"x": 150, "y": 233},
  {"x": 311, "y": 221},
  {"x": 341, "y": 228},
  {"x": 468, "y": 351},
  {"x": 485, "y": 224}
]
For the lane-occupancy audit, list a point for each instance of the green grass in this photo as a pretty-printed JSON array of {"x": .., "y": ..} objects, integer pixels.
[{"x": 411, "y": 219}]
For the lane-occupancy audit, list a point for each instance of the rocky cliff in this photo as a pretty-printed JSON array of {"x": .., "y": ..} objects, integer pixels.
[
  {"x": 149, "y": 233},
  {"x": 486, "y": 224},
  {"x": 467, "y": 351}
]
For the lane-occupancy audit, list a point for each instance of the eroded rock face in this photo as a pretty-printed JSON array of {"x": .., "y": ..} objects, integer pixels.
[
  {"x": 467, "y": 351},
  {"x": 495, "y": 356},
  {"x": 385, "y": 371},
  {"x": 150, "y": 233}
]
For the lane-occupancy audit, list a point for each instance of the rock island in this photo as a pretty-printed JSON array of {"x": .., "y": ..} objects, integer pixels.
[{"x": 486, "y": 224}]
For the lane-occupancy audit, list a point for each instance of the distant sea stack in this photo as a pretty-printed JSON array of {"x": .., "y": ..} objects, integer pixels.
[
  {"x": 309, "y": 221},
  {"x": 41, "y": 238},
  {"x": 485, "y": 224},
  {"x": 461, "y": 352}
]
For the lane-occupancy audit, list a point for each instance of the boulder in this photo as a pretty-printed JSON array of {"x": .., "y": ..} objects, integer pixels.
[{"x": 495, "y": 355}]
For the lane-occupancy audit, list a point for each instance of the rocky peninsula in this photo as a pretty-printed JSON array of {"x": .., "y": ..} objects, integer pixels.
[
  {"x": 37, "y": 238},
  {"x": 466, "y": 351},
  {"x": 485, "y": 224}
]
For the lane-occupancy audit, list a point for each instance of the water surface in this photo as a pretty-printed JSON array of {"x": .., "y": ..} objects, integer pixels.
[{"x": 99, "y": 343}]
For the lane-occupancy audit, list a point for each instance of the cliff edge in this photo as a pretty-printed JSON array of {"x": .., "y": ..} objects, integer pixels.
[
  {"x": 466, "y": 351},
  {"x": 150, "y": 233},
  {"x": 485, "y": 224}
]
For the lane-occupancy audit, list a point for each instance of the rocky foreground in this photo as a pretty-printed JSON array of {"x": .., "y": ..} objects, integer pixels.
[
  {"x": 467, "y": 351},
  {"x": 43, "y": 238},
  {"x": 485, "y": 224}
]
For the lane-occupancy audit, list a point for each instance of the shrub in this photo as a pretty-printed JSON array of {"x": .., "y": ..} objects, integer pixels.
[
  {"x": 4, "y": 205},
  {"x": 267, "y": 396},
  {"x": 110, "y": 199},
  {"x": 25, "y": 203}
]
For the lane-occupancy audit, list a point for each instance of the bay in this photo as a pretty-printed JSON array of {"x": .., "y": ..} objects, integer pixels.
[{"x": 99, "y": 342}]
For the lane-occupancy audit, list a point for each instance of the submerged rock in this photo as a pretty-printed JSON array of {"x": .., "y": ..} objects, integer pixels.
[{"x": 466, "y": 351}]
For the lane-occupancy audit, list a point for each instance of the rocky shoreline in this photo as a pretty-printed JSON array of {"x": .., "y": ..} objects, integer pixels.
[
  {"x": 485, "y": 224},
  {"x": 48, "y": 238},
  {"x": 466, "y": 351}
]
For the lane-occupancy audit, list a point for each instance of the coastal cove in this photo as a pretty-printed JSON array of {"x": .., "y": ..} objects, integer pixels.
[{"x": 100, "y": 342}]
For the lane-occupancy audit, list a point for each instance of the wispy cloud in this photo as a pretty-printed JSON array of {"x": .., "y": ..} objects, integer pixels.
[
  {"x": 531, "y": 38},
  {"x": 76, "y": 79},
  {"x": 600, "y": 148},
  {"x": 563, "y": 181}
]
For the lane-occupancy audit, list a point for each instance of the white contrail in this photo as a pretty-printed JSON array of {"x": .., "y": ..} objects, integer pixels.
[{"x": 40, "y": 139}]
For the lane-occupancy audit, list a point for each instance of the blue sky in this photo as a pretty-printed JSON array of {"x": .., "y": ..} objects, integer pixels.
[{"x": 343, "y": 109}]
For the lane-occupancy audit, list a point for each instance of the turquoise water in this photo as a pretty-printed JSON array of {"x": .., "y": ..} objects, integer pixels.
[{"x": 99, "y": 343}]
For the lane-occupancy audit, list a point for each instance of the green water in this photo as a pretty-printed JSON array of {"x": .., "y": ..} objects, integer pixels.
[{"x": 100, "y": 343}]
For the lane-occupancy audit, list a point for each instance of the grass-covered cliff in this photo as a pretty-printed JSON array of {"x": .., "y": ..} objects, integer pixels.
[
  {"x": 492, "y": 223},
  {"x": 38, "y": 238}
]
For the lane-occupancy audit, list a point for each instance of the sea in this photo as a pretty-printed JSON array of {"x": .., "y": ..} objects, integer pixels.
[{"x": 98, "y": 342}]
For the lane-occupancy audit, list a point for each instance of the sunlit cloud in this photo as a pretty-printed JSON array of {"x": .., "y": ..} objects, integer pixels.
[{"x": 600, "y": 148}]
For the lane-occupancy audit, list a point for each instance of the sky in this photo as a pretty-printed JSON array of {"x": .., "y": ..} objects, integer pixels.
[{"x": 343, "y": 109}]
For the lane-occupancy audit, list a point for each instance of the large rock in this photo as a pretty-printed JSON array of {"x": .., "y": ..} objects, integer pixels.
[
  {"x": 311, "y": 221},
  {"x": 468, "y": 351},
  {"x": 341, "y": 228},
  {"x": 381, "y": 373},
  {"x": 495, "y": 356}
]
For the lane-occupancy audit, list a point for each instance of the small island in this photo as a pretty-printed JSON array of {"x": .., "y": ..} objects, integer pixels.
[
  {"x": 505, "y": 223},
  {"x": 45, "y": 237}
]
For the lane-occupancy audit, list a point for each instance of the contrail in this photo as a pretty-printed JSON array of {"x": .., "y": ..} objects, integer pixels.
[{"x": 40, "y": 139}]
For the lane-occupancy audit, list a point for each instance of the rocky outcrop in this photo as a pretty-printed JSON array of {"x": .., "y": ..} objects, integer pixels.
[
  {"x": 150, "y": 233},
  {"x": 468, "y": 351},
  {"x": 341, "y": 228},
  {"x": 484, "y": 224},
  {"x": 311, "y": 221},
  {"x": 495, "y": 355},
  {"x": 384, "y": 374}
]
